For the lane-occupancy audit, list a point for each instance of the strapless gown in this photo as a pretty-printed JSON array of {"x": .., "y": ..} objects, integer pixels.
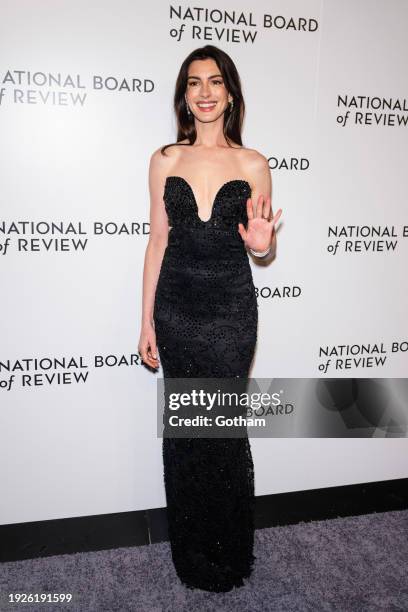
[{"x": 205, "y": 318}]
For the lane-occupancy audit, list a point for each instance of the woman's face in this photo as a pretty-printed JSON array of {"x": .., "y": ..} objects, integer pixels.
[{"x": 206, "y": 94}]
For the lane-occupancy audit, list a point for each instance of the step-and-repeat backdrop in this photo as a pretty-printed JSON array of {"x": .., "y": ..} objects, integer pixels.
[{"x": 85, "y": 98}]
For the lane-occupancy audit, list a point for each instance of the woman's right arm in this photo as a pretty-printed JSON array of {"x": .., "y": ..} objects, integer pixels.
[{"x": 158, "y": 238}]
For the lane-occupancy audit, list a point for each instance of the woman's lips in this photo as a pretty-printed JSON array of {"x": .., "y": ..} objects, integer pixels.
[{"x": 207, "y": 109}]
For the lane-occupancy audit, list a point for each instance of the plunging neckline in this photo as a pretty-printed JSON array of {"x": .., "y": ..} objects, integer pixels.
[{"x": 217, "y": 195}]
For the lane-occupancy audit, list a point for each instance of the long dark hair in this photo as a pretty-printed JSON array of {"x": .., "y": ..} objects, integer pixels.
[{"x": 233, "y": 119}]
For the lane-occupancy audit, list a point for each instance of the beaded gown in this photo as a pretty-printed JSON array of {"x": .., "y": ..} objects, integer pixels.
[{"x": 205, "y": 318}]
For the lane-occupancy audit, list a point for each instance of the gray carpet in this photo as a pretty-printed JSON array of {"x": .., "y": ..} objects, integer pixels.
[{"x": 346, "y": 564}]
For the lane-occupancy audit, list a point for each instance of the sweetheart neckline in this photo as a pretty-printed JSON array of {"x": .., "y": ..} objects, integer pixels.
[{"x": 237, "y": 180}]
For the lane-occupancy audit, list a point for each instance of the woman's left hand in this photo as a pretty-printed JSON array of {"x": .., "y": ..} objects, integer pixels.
[{"x": 258, "y": 235}]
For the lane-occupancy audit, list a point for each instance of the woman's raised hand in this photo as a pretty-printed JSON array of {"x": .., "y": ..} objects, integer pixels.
[{"x": 258, "y": 235}]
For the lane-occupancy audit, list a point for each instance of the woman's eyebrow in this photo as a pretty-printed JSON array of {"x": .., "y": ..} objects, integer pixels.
[{"x": 210, "y": 77}]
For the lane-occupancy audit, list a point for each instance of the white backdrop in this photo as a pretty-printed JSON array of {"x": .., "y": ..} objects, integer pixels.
[{"x": 85, "y": 97}]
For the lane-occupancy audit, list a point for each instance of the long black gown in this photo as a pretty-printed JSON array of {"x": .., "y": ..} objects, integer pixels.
[{"x": 205, "y": 318}]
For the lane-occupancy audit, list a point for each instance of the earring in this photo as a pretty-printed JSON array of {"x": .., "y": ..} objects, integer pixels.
[
  {"x": 231, "y": 105},
  {"x": 188, "y": 108}
]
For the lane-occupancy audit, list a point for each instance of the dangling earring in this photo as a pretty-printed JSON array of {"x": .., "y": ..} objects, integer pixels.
[
  {"x": 188, "y": 108},
  {"x": 231, "y": 105}
]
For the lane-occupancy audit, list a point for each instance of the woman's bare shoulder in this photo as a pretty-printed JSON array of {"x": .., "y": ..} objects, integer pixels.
[
  {"x": 161, "y": 164},
  {"x": 252, "y": 156},
  {"x": 255, "y": 165},
  {"x": 171, "y": 152}
]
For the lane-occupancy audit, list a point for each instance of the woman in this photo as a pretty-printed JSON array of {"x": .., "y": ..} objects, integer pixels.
[{"x": 200, "y": 309}]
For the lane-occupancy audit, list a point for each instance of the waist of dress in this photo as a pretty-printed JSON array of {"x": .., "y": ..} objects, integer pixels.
[{"x": 206, "y": 242}]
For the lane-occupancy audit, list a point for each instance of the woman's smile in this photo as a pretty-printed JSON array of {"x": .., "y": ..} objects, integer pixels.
[{"x": 206, "y": 106}]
